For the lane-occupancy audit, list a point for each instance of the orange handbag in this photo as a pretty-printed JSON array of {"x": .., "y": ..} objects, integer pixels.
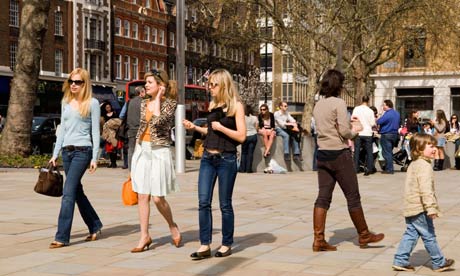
[{"x": 128, "y": 196}]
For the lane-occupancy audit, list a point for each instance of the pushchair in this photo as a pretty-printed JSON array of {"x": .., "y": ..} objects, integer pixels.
[
  {"x": 362, "y": 156},
  {"x": 402, "y": 156}
]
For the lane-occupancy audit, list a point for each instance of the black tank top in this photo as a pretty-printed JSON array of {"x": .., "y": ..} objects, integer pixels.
[{"x": 216, "y": 139}]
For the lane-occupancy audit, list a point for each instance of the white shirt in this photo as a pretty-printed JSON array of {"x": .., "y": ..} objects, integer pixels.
[
  {"x": 282, "y": 118},
  {"x": 366, "y": 117},
  {"x": 251, "y": 124}
]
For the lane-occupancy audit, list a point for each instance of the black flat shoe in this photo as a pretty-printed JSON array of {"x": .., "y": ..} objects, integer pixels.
[
  {"x": 201, "y": 255},
  {"x": 223, "y": 254}
]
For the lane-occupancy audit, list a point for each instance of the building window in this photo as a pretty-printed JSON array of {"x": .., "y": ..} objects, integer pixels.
[
  {"x": 414, "y": 52},
  {"x": 154, "y": 35},
  {"x": 13, "y": 54},
  {"x": 135, "y": 71},
  {"x": 58, "y": 62},
  {"x": 126, "y": 67},
  {"x": 117, "y": 26},
  {"x": 147, "y": 4},
  {"x": 172, "y": 42},
  {"x": 288, "y": 92},
  {"x": 93, "y": 67},
  {"x": 126, "y": 28},
  {"x": 214, "y": 49},
  {"x": 58, "y": 23},
  {"x": 287, "y": 64},
  {"x": 14, "y": 13},
  {"x": 172, "y": 71},
  {"x": 135, "y": 31},
  {"x": 199, "y": 44},
  {"x": 146, "y": 65},
  {"x": 420, "y": 99},
  {"x": 118, "y": 67},
  {"x": 147, "y": 33},
  {"x": 100, "y": 30},
  {"x": 193, "y": 46},
  {"x": 154, "y": 64},
  {"x": 455, "y": 101},
  {"x": 161, "y": 37},
  {"x": 162, "y": 65}
]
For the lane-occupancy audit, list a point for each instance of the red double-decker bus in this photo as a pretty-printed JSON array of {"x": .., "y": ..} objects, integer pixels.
[{"x": 196, "y": 99}]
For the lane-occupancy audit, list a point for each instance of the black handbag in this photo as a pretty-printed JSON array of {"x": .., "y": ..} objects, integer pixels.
[{"x": 50, "y": 181}]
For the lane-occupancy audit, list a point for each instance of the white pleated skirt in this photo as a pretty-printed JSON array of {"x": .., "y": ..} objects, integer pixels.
[{"x": 152, "y": 170}]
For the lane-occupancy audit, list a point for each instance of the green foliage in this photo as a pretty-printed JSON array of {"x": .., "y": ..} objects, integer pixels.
[{"x": 17, "y": 161}]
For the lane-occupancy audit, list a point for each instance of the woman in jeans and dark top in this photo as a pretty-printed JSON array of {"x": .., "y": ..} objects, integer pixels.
[
  {"x": 226, "y": 129},
  {"x": 248, "y": 147},
  {"x": 335, "y": 163},
  {"x": 79, "y": 141}
]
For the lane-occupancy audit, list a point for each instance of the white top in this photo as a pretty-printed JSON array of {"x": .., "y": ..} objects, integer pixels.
[
  {"x": 282, "y": 118},
  {"x": 366, "y": 117},
  {"x": 251, "y": 124}
]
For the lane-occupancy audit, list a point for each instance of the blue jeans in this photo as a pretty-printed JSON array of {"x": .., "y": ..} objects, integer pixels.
[
  {"x": 388, "y": 141},
  {"x": 75, "y": 164},
  {"x": 419, "y": 226},
  {"x": 367, "y": 141},
  {"x": 247, "y": 153},
  {"x": 286, "y": 138},
  {"x": 221, "y": 166}
]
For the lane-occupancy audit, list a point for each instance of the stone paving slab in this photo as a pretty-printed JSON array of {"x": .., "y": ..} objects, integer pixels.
[{"x": 273, "y": 233}]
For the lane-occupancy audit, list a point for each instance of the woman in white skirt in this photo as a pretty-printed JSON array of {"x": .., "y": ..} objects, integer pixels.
[{"x": 152, "y": 171}]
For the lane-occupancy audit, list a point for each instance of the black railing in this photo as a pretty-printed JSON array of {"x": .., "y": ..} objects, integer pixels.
[{"x": 95, "y": 44}]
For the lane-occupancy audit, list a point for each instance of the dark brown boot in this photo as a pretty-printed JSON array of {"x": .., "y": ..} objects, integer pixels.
[
  {"x": 365, "y": 236},
  {"x": 319, "y": 222}
]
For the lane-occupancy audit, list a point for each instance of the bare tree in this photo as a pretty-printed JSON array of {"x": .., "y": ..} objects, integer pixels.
[{"x": 16, "y": 135}]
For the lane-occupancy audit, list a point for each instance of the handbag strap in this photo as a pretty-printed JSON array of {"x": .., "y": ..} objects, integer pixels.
[{"x": 53, "y": 169}]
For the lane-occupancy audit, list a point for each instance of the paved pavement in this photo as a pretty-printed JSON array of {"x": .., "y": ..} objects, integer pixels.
[{"x": 273, "y": 232}]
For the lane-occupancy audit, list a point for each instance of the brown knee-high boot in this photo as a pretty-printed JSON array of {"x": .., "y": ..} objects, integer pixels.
[
  {"x": 319, "y": 223},
  {"x": 365, "y": 236}
]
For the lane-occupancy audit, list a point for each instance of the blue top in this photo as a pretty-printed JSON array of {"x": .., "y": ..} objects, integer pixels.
[
  {"x": 389, "y": 122},
  {"x": 78, "y": 131},
  {"x": 123, "y": 111}
]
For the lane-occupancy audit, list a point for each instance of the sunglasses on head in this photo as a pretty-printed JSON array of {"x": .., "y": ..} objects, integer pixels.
[
  {"x": 76, "y": 82},
  {"x": 157, "y": 73},
  {"x": 212, "y": 85}
]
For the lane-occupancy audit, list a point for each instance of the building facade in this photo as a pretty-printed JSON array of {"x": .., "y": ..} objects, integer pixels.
[{"x": 420, "y": 79}]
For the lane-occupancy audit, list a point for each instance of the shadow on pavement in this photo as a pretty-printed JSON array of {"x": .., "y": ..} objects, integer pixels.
[{"x": 348, "y": 234}]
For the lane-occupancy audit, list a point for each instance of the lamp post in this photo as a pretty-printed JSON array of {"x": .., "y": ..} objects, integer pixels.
[
  {"x": 266, "y": 59},
  {"x": 180, "y": 66}
]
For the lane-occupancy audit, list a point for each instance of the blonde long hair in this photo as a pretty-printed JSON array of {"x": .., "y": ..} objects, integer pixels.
[
  {"x": 227, "y": 91},
  {"x": 85, "y": 94},
  {"x": 162, "y": 78}
]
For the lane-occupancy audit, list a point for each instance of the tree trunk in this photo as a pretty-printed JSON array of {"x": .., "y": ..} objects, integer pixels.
[
  {"x": 309, "y": 102},
  {"x": 34, "y": 23}
]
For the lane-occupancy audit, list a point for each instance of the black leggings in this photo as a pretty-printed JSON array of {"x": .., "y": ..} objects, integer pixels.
[{"x": 339, "y": 170}]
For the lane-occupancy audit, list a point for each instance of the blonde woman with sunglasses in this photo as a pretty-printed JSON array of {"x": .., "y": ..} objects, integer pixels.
[
  {"x": 152, "y": 170},
  {"x": 78, "y": 139},
  {"x": 226, "y": 129}
]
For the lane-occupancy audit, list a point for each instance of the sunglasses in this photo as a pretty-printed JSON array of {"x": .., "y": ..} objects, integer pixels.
[
  {"x": 284, "y": 105},
  {"x": 212, "y": 85},
  {"x": 157, "y": 74},
  {"x": 454, "y": 117},
  {"x": 76, "y": 82},
  {"x": 263, "y": 109}
]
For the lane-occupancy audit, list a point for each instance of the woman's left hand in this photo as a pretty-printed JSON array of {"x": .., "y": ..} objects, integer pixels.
[
  {"x": 93, "y": 167},
  {"x": 216, "y": 125}
]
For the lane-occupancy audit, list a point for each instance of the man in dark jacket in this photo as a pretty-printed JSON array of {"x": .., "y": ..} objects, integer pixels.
[{"x": 133, "y": 117}]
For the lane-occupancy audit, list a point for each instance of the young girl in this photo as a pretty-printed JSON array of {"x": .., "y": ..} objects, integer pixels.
[
  {"x": 440, "y": 125},
  {"x": 226, "y": 129},
  {"x": 420, "y": 207}
]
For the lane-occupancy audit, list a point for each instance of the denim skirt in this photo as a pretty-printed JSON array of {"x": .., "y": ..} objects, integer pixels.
[
  {"x": 152, "y": 170},
  {"x": 441, "y": 142}
]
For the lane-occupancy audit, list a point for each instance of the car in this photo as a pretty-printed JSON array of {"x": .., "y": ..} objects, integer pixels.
[{"x": 43, "y": 134}]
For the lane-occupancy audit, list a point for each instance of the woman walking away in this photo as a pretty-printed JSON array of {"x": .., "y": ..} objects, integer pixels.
[
  {"x": 335, "y": 163},
  {"x": 420, "y": 207},
  {"x": 226, "y": 129},
  {"x": 249, "y": 145},
  {"x": 78, "y": 139},
  {"x": 267, "y": 128},
  {"x": 152, "y": 170},
  {"x": 440, "y": 125}
]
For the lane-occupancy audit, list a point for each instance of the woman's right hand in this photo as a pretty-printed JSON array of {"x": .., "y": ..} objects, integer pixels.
[
  {"x": 53, "y": 161},
  {"x": 188, "y": 125}
]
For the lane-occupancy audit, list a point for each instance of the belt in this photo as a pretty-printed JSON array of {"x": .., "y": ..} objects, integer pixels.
[{"x": 73, "y": 148}]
